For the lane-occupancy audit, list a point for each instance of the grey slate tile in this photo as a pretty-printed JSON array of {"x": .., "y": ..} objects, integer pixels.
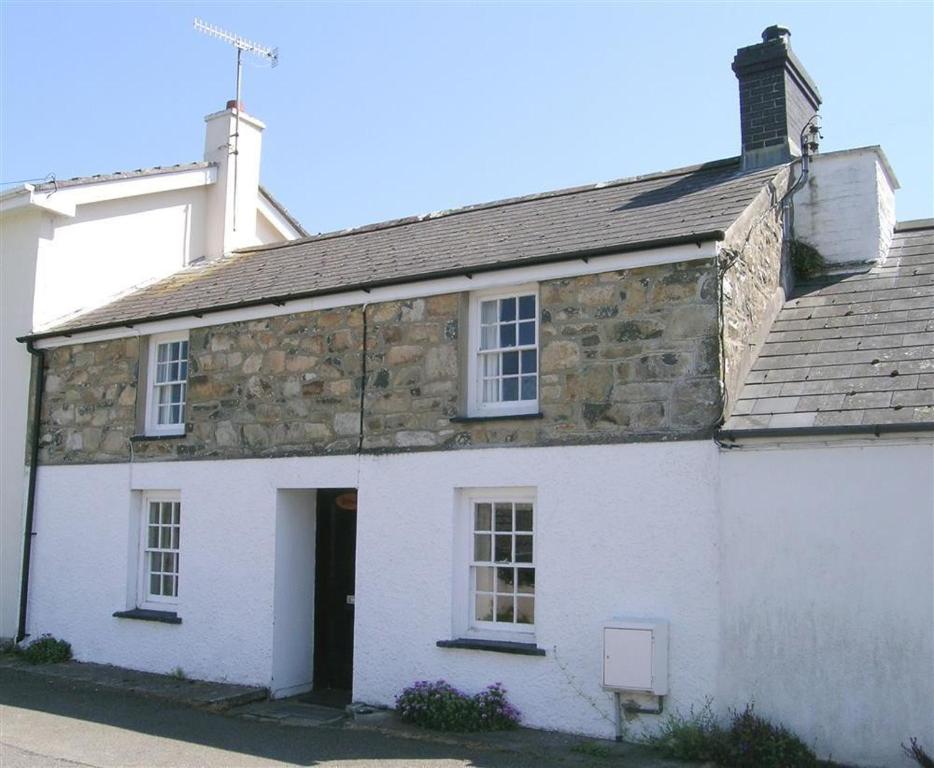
[
  {"x": 775, "y": 405},
  {"x": 838, "y": 418},
  {"x": 820, "y": 402},
  {"x": 863, "y": 400},
  {"x": 742, "y": 407},
  {"x": 851, "y": 349},
  {"x": 787, "y": 420},
  {"x": 679, "y": 203},
  {"x": 752, "y": 390},
  {"x": 913, "y": 397},
  {"x": 748, "y": 422}
]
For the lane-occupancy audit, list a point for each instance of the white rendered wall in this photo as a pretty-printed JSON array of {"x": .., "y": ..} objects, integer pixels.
[
  {"x": 52, "y": 266},
  {"x": 846, "y": 210},
  {"x": 807, "y": 585},
  {"x": 294, "y": 599},
  {"x": 226, "y": 563},
  {"x": 111, "y": 246},
  {"x": 828, "y": 594},
  {"x": 18, "y": 247},
  {"x": 621, "y": 530},
  {"x": 232, "y": 214},
  {"x": 265, "y": 230}
]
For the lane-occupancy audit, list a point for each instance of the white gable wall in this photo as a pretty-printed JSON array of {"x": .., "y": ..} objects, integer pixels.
[
  {"x": 266, "y": 231},
  {"x": 111, "y": 246},
  {"x": 21, "y": 233},
  {"x": 827, "y": 582}
]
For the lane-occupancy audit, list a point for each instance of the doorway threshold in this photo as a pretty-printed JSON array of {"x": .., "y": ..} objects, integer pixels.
[
  {"x": 333, "y": 698},
  {"x": 291, "y": 711}
]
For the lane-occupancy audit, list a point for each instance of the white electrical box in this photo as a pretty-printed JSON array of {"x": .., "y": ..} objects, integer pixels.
[{"x": 635, "y": 655}]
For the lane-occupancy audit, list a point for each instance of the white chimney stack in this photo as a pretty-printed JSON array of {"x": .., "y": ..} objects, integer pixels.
[
  {"x": 846, "y": 210},
  {"x": 235, "y": 147}
]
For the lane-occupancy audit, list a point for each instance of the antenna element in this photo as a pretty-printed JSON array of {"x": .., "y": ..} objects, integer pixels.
[
  {"x": 260, "y": 51},
  {"x": 240, "y": 43}
]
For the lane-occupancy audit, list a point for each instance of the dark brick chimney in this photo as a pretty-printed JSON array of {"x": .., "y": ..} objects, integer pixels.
[{"x": 777, "y": 97}]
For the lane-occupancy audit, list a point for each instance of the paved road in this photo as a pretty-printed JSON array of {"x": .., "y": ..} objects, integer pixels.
[{"x": 58, "y": 723}]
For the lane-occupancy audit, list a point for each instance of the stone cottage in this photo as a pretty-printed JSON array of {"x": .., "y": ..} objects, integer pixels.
[{"x": 598, "y": 441}]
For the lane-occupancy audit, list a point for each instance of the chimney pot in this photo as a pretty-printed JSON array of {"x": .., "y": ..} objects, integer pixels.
[
  {"x": 234, "y": 104},
  {"x": 776, "y": 32}
]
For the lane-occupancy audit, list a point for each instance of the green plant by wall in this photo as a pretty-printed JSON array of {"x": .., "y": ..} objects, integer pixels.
[
  {"x": 697, "y": 736},
  {"x": 754, "y": 742},
  {"x": 916, "y": 752},
  {"x": 46, "y": 650},
  {"x": 441, "y": 707},
  {"x": 748, "y": 741},
  {"x": 806, "y": 260}
]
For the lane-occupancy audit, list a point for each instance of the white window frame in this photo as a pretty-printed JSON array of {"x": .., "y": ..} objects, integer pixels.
[
  {"x": 144, "y": 599},
  {"x": 152, "y": 425},
  {"x": 466, "y": 624},
  {"x": 475, "y": 404}
]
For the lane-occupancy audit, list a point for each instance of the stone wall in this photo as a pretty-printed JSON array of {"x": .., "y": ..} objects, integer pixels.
[
  {"x": 624, "y": 356},
  {"x": 89, "y": 402},
  {"x": 630, "y": 354},
  {"x": 756, "y": 279}
]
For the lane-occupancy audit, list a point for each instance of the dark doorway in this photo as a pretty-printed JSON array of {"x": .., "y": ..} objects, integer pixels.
[{"x": 335, "y": 551}]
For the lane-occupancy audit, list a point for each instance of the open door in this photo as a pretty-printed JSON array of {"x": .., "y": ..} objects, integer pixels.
[{"x": 334, "y": 595}]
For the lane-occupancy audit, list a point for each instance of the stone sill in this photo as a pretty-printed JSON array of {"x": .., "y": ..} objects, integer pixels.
[
  {"x": 143, "y": 614},
  {"x": 498, "y": 417},
  {"x": 496, "y": 646},
  {"x": 149, "y": 438}
]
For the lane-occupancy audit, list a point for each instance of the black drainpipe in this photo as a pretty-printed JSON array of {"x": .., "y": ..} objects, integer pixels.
[
  {"x": 362, "y": 383},
  {"x": 31, "y": 495}
]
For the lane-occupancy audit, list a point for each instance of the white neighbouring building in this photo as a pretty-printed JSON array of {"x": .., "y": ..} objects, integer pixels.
[
  {"x": 598, "y": 439},
  {"x": 68, "y": 246}
]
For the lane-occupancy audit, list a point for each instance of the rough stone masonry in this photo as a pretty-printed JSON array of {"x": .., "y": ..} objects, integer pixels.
[{"x": 624, "y": 356}]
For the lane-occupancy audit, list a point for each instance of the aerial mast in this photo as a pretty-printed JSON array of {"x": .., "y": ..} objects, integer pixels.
[{"x": 262, "y": 52}]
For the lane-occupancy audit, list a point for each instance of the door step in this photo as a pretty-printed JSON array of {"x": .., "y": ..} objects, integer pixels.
[{"x": 291, "y": 712}]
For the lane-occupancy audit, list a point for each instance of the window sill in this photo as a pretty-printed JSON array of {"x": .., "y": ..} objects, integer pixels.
[
  {"x": 147, "y": 438},
  {"x": 144, "y": 614},
  {"x": 496, "y": 646},
  {"x": 498, "y": 417}
]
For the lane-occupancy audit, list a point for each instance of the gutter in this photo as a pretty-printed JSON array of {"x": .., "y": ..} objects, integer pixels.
[
  {"x": 31, "y": 494},
  {"x": 875, "y": 430},
  {"x": 583, "y": 255}
]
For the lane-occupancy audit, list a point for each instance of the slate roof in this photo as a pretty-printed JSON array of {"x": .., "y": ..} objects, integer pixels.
[
  {"x": 54, "y": 185},
  {"x": 850, "y": 350},
  {"x": 50, "y": 186},
  {"x": 695, "y": 203}
]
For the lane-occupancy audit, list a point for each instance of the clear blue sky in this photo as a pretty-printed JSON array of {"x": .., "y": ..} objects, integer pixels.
[{"x": 380, "y": 110}]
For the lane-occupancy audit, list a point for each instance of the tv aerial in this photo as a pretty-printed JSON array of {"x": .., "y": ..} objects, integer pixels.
[{"x": 262, "y": 52}]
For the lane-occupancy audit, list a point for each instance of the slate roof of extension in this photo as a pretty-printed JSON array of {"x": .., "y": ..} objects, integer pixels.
[
  {"x": 157, "y": 170},
  {"x": 688, "y": 203},
  {"x": 54, "y": 185},
  {"x": 850, "y": 350}
]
